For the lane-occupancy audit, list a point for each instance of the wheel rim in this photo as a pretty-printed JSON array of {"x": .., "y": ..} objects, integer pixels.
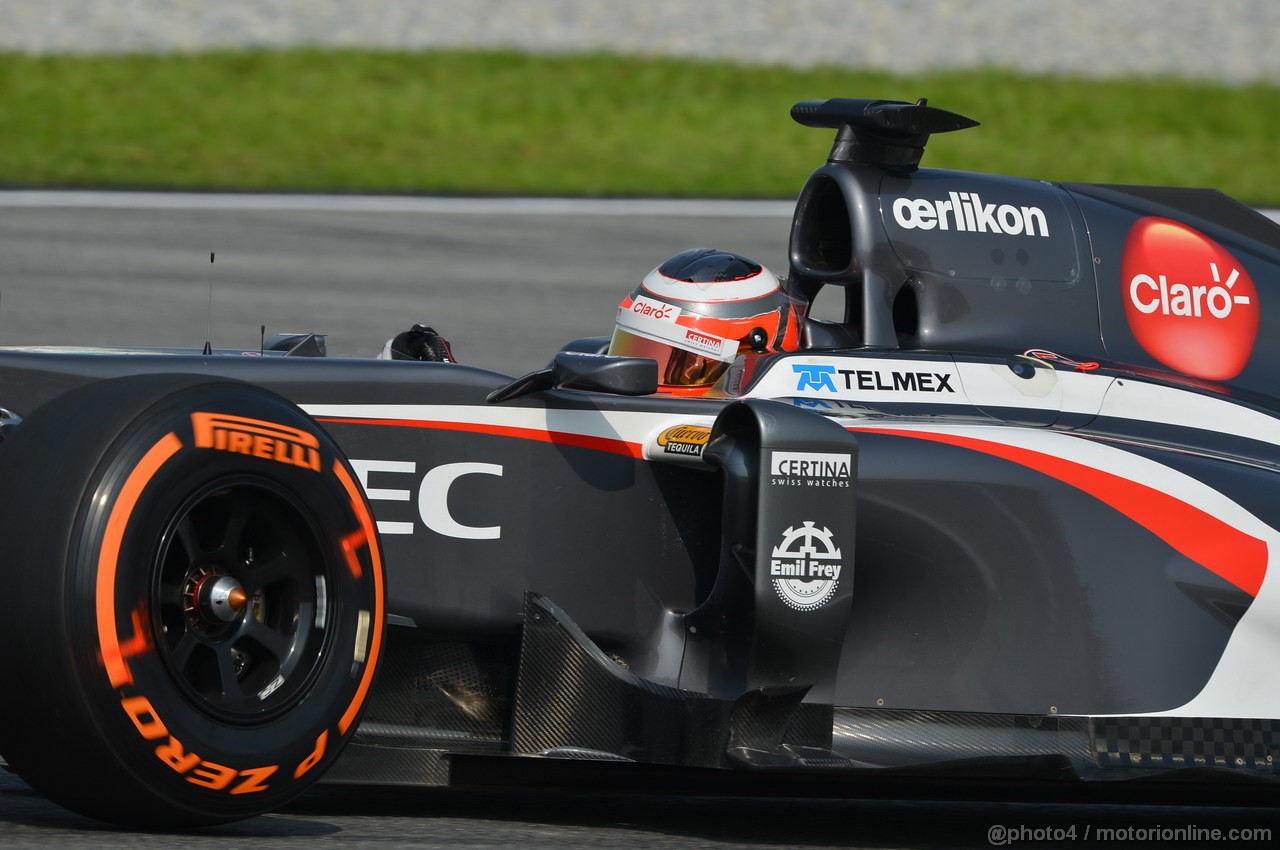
[{"x": 240, "y": 600}]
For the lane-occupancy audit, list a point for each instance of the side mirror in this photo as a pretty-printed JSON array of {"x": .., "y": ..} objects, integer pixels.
[{"x": 575, "y": 370}]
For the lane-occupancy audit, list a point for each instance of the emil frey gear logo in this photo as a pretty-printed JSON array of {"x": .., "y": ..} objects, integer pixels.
[
  {"x": 805, "y": 567},
  {"x": 1189, "y": 302}
]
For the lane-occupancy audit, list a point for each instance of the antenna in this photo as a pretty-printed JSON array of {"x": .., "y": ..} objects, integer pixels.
[
  {"x": 262, "y": 339},
  {"x": 208, "y": 328}
]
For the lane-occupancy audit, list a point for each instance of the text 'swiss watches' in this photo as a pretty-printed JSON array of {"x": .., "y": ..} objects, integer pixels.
[{"x": 1018, "y": 509}]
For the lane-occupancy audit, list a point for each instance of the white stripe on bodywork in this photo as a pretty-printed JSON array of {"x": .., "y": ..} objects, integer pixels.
[
  {"x": 996, "y": 385},
  {"x": 1165, "y": 405},
  {"x": 810, "y": 375},
  {"x": 1246, "y": 681},
  {"x": 987, "y": 385},
  {"x": 1097, "y": 455},
  {"x": 976, "y": 384},
  {"x": 640, "y": 429},
  {"x": 624, "y": 426}
]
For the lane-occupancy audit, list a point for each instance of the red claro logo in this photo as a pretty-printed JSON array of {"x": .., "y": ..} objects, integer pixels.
[{"x": 1189, "y": 303}]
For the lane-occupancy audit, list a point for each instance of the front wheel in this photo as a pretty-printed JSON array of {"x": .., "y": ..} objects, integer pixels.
[{"x": 198, "y": 601}]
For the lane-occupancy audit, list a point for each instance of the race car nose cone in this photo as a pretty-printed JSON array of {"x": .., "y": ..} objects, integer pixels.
[{"x": 223, "y": 599}]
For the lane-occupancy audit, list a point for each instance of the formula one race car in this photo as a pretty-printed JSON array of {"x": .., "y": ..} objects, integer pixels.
[{"x": 1017, "y": 508}]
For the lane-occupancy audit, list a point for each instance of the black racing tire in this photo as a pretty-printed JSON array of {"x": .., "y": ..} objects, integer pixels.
[{"x": 195, "y": 601}]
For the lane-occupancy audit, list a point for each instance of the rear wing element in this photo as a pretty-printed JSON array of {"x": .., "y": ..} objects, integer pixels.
[{"x": 878, "y": 132}]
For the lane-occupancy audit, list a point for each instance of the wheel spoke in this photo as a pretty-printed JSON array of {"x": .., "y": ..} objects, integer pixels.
[
  {"x": 186, "y": 536},
  {"x": 236, "y": 523},
  {"x": 231, "y": 688},
  {"x": 247, "y": 542},
  {"x": 272, "y": 641},
  {"x": 181, "y": 653}
]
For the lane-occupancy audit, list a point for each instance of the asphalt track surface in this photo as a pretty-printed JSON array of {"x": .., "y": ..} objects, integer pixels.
[
  {"x": 508, "y": 284},
  {"x": 507, "y": 290}
]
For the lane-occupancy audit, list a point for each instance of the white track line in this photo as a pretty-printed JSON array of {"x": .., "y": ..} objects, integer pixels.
[
  {"x": 394, "y": 204},
  {"x": 405, "y": 204}
]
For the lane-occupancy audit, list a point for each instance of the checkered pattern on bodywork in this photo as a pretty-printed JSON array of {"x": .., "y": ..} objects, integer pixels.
[{"x": 1176, "y": 742}]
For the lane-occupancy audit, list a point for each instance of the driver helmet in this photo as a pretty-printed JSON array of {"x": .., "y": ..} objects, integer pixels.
[{"x": 697, "y": 311}]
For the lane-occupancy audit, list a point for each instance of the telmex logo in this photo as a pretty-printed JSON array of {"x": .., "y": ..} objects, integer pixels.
[
  {"x": 968, "y": 214},
  {"x": 256, "y": 438},
  {"x": 1189, "y": 303},
  {"x": 822, "y": 377}
]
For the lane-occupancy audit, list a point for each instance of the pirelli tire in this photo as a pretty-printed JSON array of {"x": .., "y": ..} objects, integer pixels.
[{"x": 195, "y": 601}]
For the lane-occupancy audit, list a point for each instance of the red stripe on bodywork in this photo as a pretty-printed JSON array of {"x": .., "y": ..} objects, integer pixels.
[
  {"x": 560, "y": 438},
  {"x": 1217, "y": 546}
]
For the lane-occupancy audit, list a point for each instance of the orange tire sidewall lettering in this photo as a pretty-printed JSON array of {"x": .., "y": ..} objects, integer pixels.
[
  {"x": 117, "y": 667},
  {"x": 370, "y": 542},
  {"x": 200, "y": 596},
  {"x": 125, "y": 631}
]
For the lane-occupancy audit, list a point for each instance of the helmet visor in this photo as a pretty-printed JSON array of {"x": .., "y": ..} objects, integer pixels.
[{"x": 676, "y": 367}]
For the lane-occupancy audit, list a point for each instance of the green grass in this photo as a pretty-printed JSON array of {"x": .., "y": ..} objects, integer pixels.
[{"x": 491, "y": 123}]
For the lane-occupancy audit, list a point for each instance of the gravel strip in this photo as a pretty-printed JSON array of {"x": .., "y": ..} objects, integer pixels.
[{"x": 1227, "y": 40}]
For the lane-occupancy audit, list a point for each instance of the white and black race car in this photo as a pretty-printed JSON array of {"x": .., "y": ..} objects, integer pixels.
[{"x": 1018, "y": 508}]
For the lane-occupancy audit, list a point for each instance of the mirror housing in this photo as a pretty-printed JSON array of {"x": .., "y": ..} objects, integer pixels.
[{"x": 576, "y": 370}]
